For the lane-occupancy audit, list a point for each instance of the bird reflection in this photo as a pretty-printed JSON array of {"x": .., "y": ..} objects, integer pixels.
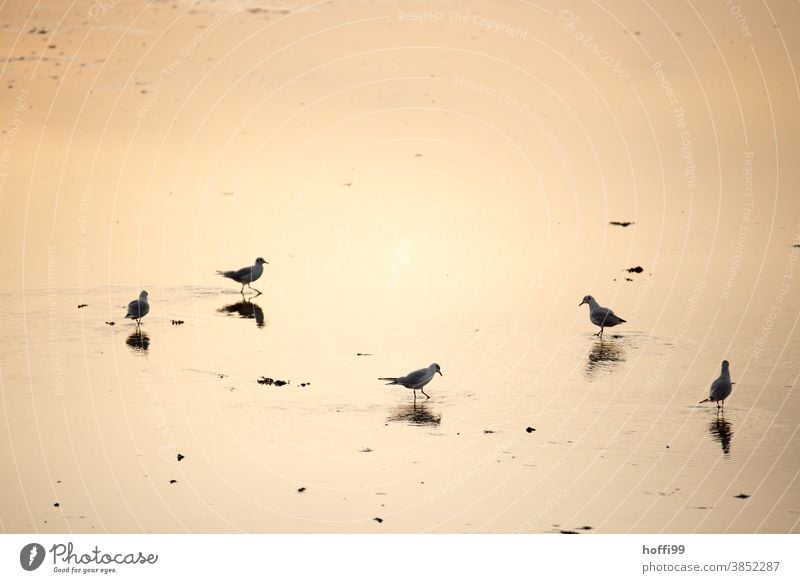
[
  {"x": 414, "y": 414},
  {"x": 139, "y": 341},
  {"x": 722, "y": 432},
  {"x": 246, "y": 309},
  {"x": 604, "y": 355}
]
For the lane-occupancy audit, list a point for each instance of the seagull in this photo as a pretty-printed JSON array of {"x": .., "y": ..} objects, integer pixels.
[
  {"x": 246, "y": 275},
  {"x": 416, "y": 380},
  {"x": 138, "y": 309},
  {"x": 721, "y": 388},
  {"x": 600, "y": 316}
]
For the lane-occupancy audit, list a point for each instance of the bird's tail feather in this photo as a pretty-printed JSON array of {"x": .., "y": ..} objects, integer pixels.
[
  {"x": 621, "y": 320},
  {"x": 392, "y": 380}
]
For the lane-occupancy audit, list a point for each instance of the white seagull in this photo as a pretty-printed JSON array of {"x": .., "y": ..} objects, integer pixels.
[
  {"x": 416, "y": 380},
  {"x": 600, "y": 316},
  {"x": 138, "y": 309},
  {"x": 721, "y": 388},
  {"x": 246, "y": 275}
]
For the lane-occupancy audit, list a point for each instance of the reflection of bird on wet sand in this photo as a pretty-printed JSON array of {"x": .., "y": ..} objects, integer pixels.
[
  {"x": 721, "y": 431},
  {"x": 414, "y": 414},
  {"x": 604, "y": 355},
  {"x": 138, "y": 340},
  {"x": 246, "y": 309}
]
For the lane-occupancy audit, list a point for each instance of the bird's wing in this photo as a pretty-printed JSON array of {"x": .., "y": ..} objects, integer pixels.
[
  {"x": 720, "y": 389},
  {"x": 236, "y": 274},
  {"x": 599, "y": 316},
  {"x": 243, "y": 273},
  {"x": 133, "y": 309},
  {"x": 607, "y": 316},
  {"x": 418, "y": 376}
]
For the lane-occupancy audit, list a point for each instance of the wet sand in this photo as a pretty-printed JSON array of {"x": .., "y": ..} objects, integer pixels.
[{"x": 427, "y": 186}]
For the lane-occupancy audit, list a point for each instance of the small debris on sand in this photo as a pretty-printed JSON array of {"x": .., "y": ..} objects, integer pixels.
[
  {"x": 378, "y": 519},
  {"x": 180, "y": 456},
  {"x": 301, "y": 489},
  {"x": 177, "y": 322},
  {"x": 56, "y": 504},
  {"x": 110, "y": 323},
  {"x": 620, "y": 223},
  {"x": 568, "y": 532},
  {"x": 530, "y": 429},
  {"x": 82, "y": 306},
  {"x": 173, "y": 481},
  {"x": 637, "y": 269},
  {"x": 365, "y": 450},
  {"x": 585, "y": 528},
  {"x": 269, "y": 381},
  {"x": 363, "y": 354},
  {"x": 742, "y": 496},
  {"x": 278, "y": 383},
  {"x": 488, "y": 431}
]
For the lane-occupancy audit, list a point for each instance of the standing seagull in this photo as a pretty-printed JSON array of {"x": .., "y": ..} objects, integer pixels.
[
  {"x": 721, "y": 388},
  {"x": 416, "y": 380},
  {"x": 600, "y": 316},
  {"x": 246, "y": 275},
  {"x": 138, "y": 309}
]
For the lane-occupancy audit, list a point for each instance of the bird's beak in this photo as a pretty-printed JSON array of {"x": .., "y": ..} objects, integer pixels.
[
  {"x": 579, "y": 305},
  {"x": 440, "y": 373}
]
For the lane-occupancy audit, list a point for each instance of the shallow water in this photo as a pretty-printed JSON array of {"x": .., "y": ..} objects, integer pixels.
[
  {"x": 97, "y": 414},
  {"x": 423, "y": 192}
]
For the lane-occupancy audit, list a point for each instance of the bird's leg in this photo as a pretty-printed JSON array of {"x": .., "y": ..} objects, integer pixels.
[
  {"x": 424, "y": 393},
  {"x": 601, "y": 332},
  {"x": 415, "y": 395},
  {"x": 242, "y": 292}
]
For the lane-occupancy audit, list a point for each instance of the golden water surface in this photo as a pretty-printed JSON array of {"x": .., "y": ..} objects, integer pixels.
[{"x": 429, "y": 182}]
